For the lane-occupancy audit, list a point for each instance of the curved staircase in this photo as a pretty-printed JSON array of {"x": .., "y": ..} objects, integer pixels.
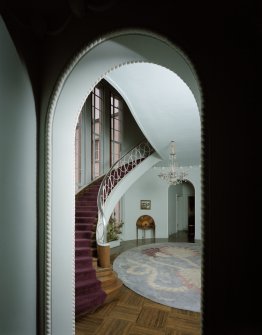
[
  {"x": 94, "y": 285},
  {"x": 110, "y": 282},
  {"x": 95, "y": 281}
]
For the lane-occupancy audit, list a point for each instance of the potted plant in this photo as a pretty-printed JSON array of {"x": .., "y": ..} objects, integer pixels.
[{"x": 114, "y": 229}]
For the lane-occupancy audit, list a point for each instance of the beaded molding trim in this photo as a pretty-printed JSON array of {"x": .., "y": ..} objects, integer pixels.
[{"x": 48, "y": 151}]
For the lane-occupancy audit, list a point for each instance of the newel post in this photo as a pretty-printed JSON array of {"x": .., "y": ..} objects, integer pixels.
[{"x": 103, "y": 252}]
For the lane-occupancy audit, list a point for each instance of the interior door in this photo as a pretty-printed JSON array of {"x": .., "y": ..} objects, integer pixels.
[{"x": 182, "y": 212}]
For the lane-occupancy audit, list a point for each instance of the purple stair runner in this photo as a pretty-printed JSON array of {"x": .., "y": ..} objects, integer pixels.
[{"x": 88, "y": 292}]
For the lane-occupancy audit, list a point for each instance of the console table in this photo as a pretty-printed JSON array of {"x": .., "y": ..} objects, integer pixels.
[{"x": 145, "y": 222}]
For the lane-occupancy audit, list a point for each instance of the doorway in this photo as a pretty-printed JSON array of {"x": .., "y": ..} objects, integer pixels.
[
  {"x": 74, "y": 85},
  {"x": 191, "y": 219},
  {"x": 181, "y": 210}
]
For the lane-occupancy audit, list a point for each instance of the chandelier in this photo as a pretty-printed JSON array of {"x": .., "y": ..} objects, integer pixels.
[{"x": 172, "y": 174}]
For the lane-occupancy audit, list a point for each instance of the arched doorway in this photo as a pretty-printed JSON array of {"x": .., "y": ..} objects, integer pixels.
[
  {"x": 181, "y": 210},
  {"x": 75, "y": 84}
]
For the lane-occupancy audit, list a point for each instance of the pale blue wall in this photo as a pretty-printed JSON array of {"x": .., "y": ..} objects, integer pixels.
[
  {"x": 173, "y": 191},
  {"x": 69, "y": 95},
  {"x": 18, "y": 194},
  {"x": 131, "y": 132},
  {"x": 147, "y": 187},
  {"x": 150, "y": 187}
]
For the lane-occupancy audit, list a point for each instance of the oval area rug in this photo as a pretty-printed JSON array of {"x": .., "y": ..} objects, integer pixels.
[{"x": 167, "y": 273}]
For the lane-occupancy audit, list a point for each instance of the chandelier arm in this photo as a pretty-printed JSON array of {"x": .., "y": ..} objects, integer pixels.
[{"x": 172, "y": 174}]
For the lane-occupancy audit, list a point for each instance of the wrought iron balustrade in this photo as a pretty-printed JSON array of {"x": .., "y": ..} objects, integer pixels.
[{"x": 121, "y": 168}]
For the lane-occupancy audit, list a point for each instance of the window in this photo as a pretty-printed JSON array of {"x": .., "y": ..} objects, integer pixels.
[
  {"x": 78, "y": 153},
  {"x": 98, "y": 136},
  {"x": 82, "y": 149},
  {"x": 97, "y": 133},
  {"x": 115, "y": 131}
]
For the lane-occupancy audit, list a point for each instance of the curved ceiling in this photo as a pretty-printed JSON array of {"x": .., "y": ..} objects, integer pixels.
[{"x": 163, "y": 107}]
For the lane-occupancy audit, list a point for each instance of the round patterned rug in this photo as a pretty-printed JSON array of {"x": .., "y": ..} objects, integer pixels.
[{"x": 167, "y": 273}]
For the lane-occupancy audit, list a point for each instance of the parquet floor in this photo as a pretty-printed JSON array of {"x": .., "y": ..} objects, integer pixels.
[{"x": 132, "y": 314}]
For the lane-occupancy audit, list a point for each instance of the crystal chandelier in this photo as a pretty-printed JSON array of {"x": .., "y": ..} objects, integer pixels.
[{"x": 172, "y": 174}]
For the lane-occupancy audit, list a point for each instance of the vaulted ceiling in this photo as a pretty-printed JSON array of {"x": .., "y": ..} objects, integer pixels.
[{"x": 164, "y": 108}]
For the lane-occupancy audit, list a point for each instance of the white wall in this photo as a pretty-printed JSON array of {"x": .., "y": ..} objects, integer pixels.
[
  {"x": 18, "y": 194},
  {"x": 173, "y": 191},
  {"x": 131, "y": 132},
  {"x": 147, "y": 187},
  {"x": 72, "y": 89},
  {"x": 150, "y": 187}
]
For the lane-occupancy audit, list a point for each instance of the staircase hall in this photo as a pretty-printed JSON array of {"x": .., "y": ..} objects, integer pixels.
[{"x": 94, "y": 285}]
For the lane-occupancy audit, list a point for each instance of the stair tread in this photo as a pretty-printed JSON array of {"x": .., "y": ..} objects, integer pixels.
[
  {"x": 114, "y": 287},
  {"x": 87, "y": 240},
  {"x": 83, "y": 270},
  {"x": 84, "y": 257},
  {"x": 86, "y": 217},
  {"x": 102, "y": 270},
  {"x": 86, "y": 206},
  {"x": 89, "y": 292},
  {"x": 87, "y": 283},
  {"x": 87, "y": 214},
  {"x": 108, "y": 273},
  {"x": 84, "y": 223},
  {"x": 83, "y": 209},
  {"x": 91, "y": 224},
  {"x": 108, "y": 278}
]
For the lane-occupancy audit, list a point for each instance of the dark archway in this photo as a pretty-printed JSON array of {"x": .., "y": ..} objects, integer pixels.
[{"x": 85, "y": 70}]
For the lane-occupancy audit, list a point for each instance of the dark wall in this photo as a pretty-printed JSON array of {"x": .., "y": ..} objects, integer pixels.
[{"x": 222, "y": 40}]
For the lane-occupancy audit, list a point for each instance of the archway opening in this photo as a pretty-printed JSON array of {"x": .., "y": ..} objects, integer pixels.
[
  {"x": 92, "y": 64},
  {"x": 181, "y": 211}
]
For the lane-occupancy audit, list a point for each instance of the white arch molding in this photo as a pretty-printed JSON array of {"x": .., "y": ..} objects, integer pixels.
[{"x": 89, "y": 66}]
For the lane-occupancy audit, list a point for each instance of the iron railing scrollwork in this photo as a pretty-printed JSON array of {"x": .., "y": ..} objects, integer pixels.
[{"x": 125, "y": 164}]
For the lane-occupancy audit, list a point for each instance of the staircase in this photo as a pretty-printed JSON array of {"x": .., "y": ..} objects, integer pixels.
[
  {"x": 94, "y": 285},
  {"x": 110, "y": 282}
]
